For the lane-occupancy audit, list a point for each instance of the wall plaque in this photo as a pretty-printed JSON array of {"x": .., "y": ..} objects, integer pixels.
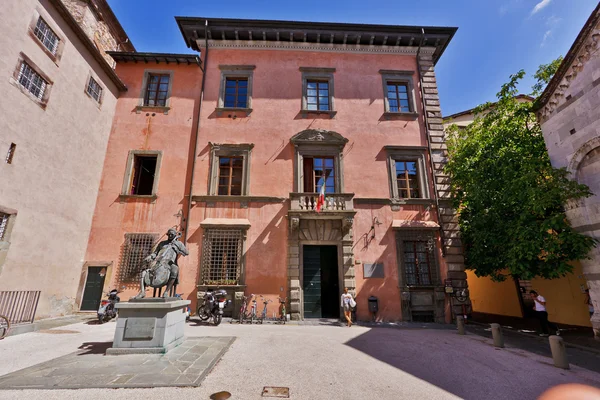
[
  {"x": 139, "y": 329},
  {"x": 373, "y": 271}
]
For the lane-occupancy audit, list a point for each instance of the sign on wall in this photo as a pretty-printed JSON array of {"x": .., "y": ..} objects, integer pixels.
[{"x": 373, "y": 270}]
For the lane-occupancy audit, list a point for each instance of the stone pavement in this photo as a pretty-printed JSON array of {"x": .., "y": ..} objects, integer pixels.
[{"x": 186, "y": 365}]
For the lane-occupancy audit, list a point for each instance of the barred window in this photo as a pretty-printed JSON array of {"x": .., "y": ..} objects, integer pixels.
[
  {"x": 222, "y": 257},
  {"x": 417, "y": 258},
  {"x": 32, "y": 81},
  {"x": 46, "y": 35},
  {"x": 136, "y": 248},
  {"x": 94, "y": 89},
  {"x": 3, "y": 224}
]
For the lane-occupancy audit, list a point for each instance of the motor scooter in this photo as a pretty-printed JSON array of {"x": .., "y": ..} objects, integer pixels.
[
  {"x": 107, "y": 310},
  {"x": 213, "y": 305}
]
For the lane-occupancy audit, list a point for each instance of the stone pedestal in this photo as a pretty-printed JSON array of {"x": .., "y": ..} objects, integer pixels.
[{"x": 145, "y": 326}]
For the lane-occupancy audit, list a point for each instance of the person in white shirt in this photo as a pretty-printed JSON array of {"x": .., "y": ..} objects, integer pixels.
[
  {"x": 539, "y": 307},
  {"x": 347, "y": 304}
]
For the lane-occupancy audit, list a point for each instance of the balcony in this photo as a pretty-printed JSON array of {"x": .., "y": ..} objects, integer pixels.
[{"x": 334, "y": 202}]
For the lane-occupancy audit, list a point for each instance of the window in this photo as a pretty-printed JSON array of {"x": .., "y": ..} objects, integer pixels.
[
  {"x": 236, "y": 92},
  {"x": 157, "y": 90},
  {"x": 94, "y": 90},
  {"x": 142, "y": 176},
  {"x": 236, "y": 87},
  {"x": 318, "y": 170},
  {"x": 230, "y": 169},
  {"x": 408, "y": 174},
  {"x": 222, "y": 256},
  {"x": 230, "y": 175},
  {"x": 407, "y": 179},
  {"x": 417, "y": 257},
  {"x": 46, "y": 35},
  {"x": 317, "y": 95},
  {"x": 3, "y": 224},
  {"x": 136, "y": 248},
  {"x": 397, "y": 94},
  {"x": 32, "y": 81},
  {"x": 317, "y": 90},
  {"x": 11, "y": 153},
  {"x": 398, "y": 90}
]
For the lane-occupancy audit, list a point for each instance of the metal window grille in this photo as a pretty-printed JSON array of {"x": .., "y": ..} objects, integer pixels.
[
  {"x": 32, "y": 81},
  {"x": 136, "y": 248},
  {"x": 3, "y": 223},
  {"x": 418, "y": 259},
  {"x": 222, "y": 257},
  {"x": 94, "y": 89},
  {"x": 46, "y": 35}
]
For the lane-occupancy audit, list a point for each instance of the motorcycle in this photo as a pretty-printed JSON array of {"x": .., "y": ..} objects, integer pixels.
[
  {"x": 107, "y": 310},
  {"x": 213, "y": 305},
  {"x": 187, "y": 309}
]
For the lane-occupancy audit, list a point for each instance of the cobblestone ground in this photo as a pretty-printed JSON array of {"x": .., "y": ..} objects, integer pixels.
[{"x": 322, "y": 362}]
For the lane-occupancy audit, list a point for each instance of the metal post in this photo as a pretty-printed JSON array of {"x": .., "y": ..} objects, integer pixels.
[
  {"x": 559, "y": 352},
  {"x": 460, "y": 324},
  {"x": 497, "y": 335}
]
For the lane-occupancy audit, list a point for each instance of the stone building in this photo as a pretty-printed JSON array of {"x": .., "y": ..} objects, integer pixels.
[
  {"x": 287, "y": 110},
  {"x": 58, "y": 102},
  {"x": 490, "y": 300},
  {"x": 569, "y": 114}
]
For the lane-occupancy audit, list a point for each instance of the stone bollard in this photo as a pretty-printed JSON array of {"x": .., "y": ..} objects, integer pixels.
[
  {"x": 559, "y": 352},
  {"x": 460, "y": 324},
  {"x": 497, "y": 335}
]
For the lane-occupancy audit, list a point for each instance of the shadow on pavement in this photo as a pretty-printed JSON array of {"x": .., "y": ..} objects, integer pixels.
[{"x": 94, "y": 348}]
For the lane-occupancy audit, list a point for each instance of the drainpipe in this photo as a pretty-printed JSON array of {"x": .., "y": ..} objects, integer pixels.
[
  {"x": 197, "y": 134},
  {"x": 435, "y": 190}
]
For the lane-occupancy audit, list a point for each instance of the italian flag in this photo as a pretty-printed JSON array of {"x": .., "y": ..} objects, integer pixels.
[{"x": 321, "y": 199}]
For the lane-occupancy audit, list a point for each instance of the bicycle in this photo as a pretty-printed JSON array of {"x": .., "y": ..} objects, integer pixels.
[
  {"x": 4, "y": 326},
  {"x": 263, "y": 315},
  {"x": 282, "y": 315},
  {"x": 244, "y": 308}
]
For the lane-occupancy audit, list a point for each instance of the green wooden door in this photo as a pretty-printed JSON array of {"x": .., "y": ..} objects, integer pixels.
[
  {"x": 311, "y": 284},
  {"x": 92, "y": 293}
]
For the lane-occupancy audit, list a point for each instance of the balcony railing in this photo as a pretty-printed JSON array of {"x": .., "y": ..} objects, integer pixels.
[{"x": 333, "y": 202}]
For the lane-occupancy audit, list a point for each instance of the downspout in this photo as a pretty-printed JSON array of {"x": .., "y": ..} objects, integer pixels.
[
  {"x": 435, "y": 190},
  {"x": 197, "y": 129}
]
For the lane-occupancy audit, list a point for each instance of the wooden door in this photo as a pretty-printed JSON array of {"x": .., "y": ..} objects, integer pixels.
[{"x": 92, "y": 293}]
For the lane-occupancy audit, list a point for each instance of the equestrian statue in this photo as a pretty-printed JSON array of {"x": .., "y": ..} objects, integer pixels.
[{"x": 163, "y": 269}]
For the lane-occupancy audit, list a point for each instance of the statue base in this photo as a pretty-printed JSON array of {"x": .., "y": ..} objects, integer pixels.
[{"x": 149, "y": 326}]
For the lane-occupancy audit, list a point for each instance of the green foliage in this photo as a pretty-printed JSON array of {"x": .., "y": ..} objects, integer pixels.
[
  {"x": 508, "y": 196},
  {"x": 543, "y": 75}
]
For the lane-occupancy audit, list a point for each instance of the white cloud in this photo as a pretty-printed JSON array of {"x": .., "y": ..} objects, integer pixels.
[
  {"x": 546, "y": 36},
  {"x": 553, "y": 20},
  {"x": 540, "y": 6}
]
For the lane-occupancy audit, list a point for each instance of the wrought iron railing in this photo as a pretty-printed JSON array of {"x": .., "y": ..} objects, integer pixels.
[
  {"x": 19, "y": 306},
  {"x": 333, "y": 201}
]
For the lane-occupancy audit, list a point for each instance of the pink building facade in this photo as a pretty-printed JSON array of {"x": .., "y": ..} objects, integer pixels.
[{"x": 239, "y": 146}]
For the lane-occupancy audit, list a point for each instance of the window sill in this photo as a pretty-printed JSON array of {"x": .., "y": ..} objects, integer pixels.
[
  {"x": 393, "y": 114},
  {"x": 151, "y": 197},
  {"x": 306, "y": 113},
  {"x": 221, "y": 110},
  {"x": 253, "y": 199},
  {"x": 161, "y": 109}
]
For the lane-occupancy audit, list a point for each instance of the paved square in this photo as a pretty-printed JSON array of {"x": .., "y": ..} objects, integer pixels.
[{"x": 186, "y": 365}]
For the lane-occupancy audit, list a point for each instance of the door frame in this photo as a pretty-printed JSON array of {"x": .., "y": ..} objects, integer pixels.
[
  {"x": 83, "y": 280},
  {"x": 340, "y": 259}
]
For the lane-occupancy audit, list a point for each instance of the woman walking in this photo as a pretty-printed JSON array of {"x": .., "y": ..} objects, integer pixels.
[{"x": 347, "y": 304}]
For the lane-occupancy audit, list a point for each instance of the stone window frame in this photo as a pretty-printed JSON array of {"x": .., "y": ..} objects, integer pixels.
[
  {"x": 324, "y": 74},
  {"x": 408, "y": 153},
  {"x": 321, "y": 150},
  {"x": 14, "y": 80},
  {"x": 164, "y": 109},
  {"x": 429, "y": 235},
  {"x": 235, "y": 71},
  {"x": 217, "y": 150},
  {"x": 40, "y": 13},
  {"x": 125, "y": 189},
  {"x": 399, "y": 76}
]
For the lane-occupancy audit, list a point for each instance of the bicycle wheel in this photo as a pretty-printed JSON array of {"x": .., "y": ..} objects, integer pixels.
[{"x": 4, "y": 326}]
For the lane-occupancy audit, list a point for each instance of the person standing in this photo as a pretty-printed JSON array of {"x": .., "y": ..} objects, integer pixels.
[
  {"x": 539, "y": 307},
  {"x": 588, "y": 301},
  {"x": 347, "y": 304}
]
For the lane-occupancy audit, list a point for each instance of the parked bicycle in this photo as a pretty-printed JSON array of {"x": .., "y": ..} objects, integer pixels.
[
  {"x": 263, "y": 314},
  {"x": 246, "y": 314},
  {"x": 282, "y": 313},
  {"x": 4, "y": 326}
]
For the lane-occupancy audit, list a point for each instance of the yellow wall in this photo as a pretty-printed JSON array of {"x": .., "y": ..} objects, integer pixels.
[
  {"x": 491, "y": 297},
  {"x": 565, "y": 302}
]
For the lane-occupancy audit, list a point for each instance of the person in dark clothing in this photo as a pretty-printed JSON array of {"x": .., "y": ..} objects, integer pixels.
[{"x": 539, "y": 307}]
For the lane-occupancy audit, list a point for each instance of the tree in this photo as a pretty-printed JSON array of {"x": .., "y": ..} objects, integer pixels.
[
  {"x": 508, "y": 196},
  {"x": 543, "y": 75}
]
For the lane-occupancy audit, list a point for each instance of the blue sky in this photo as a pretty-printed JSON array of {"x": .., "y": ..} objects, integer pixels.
[{"x": 495, "y": 38}]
